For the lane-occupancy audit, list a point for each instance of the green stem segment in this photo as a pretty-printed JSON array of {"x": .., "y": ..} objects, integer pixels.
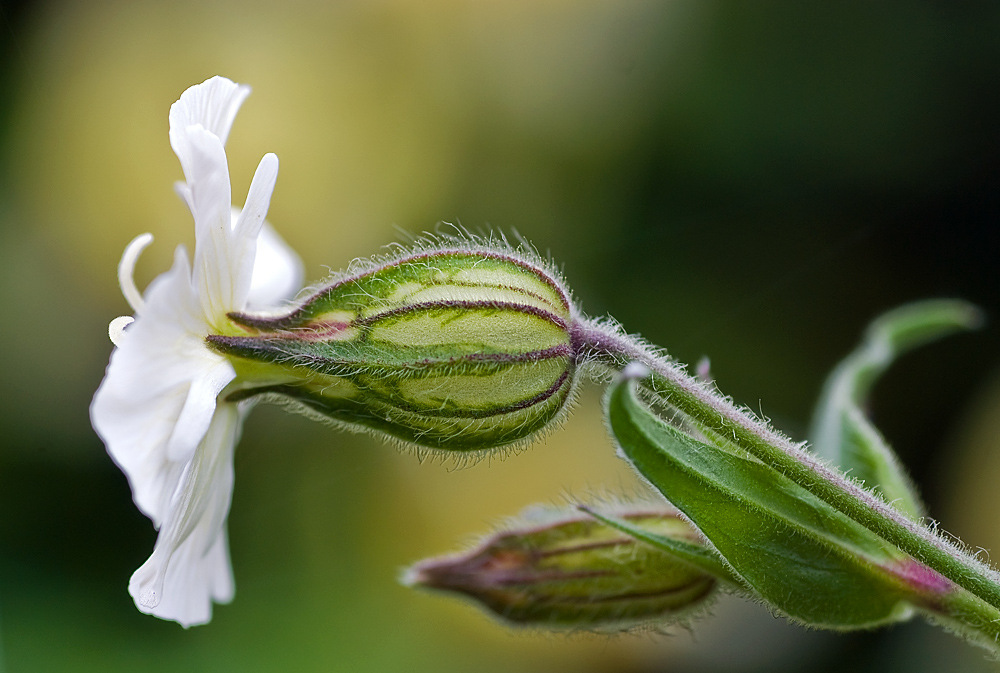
[{"x": 605, "y": 345}]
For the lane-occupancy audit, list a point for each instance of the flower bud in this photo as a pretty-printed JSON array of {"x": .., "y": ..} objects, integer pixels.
[
  {"x": 458, "y": 349},
  {"x": 576, "y": 572}
]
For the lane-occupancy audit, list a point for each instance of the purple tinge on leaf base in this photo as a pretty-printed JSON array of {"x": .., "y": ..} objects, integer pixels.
[{"x": 929, "y": 585}]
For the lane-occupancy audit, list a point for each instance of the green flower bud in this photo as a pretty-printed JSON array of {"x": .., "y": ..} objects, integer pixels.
[
  {"x": 458, "y": 348},
  {"x": 575, "y": 571}
]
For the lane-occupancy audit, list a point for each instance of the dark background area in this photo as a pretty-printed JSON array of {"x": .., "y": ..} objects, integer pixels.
[{"x": 749, "y": 181}]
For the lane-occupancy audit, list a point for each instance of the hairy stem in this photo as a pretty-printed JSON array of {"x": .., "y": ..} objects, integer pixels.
[{"x": 606, "y": 345}]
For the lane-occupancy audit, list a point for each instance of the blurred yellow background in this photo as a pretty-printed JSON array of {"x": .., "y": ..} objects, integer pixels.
[{"x": 749, "y": 181}]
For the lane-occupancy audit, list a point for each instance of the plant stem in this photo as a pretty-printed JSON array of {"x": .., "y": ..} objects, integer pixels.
[{"x": 604, "y": 344}]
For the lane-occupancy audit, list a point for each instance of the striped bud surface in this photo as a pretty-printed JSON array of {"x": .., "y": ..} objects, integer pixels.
[
  {"x": 576, "y": 572},
  {"x": 456, "y": 349}
]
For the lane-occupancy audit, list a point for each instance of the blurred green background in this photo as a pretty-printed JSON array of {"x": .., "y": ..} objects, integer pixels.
[{"x": 748, "y": 181}]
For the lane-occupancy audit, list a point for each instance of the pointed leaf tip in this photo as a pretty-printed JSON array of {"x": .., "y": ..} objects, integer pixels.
[{"x": 842, "y": 433}]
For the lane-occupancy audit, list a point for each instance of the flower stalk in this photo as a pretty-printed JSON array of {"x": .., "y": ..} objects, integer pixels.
[{"x": 607, "y": 347}]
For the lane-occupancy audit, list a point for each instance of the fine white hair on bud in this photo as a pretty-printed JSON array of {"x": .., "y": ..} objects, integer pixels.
[
  {"x": 461, "y": 343},
  {"x": 635, "y": 370}
]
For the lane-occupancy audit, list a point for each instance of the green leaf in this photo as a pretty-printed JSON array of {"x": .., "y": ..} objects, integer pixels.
[
  {"x": 697, "y": 555},
  {"x": 842, "y": 433},
  {"x": 797, "y": 553}
]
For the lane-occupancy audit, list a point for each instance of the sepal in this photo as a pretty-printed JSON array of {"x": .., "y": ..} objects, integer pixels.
[{"x": 458, "y": 348}]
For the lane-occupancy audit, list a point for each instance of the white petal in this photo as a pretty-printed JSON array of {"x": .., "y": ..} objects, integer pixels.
[
  {"x": 196, "y": 414},
  {"x": 213, "y": 104},
  {"x": 157, "y": 408},
  {"x": 254, "y": 211},
  {"x": 207, "y": 172},
  {"x": 189, "y": 568},
  {"x": 246, "y": 229},
  {"x": 208, "y": 179},
  {"x": 151, "y": 377},
  {"x": 277, "y": 272}
]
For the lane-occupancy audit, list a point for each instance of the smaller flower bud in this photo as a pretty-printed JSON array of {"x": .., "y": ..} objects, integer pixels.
[
  {"x": 457, "y": 348},
  {"x": 577, "y": 572}
]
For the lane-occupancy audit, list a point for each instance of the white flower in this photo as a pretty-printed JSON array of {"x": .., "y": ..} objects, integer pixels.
[{"x": 158, "y": 408}]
